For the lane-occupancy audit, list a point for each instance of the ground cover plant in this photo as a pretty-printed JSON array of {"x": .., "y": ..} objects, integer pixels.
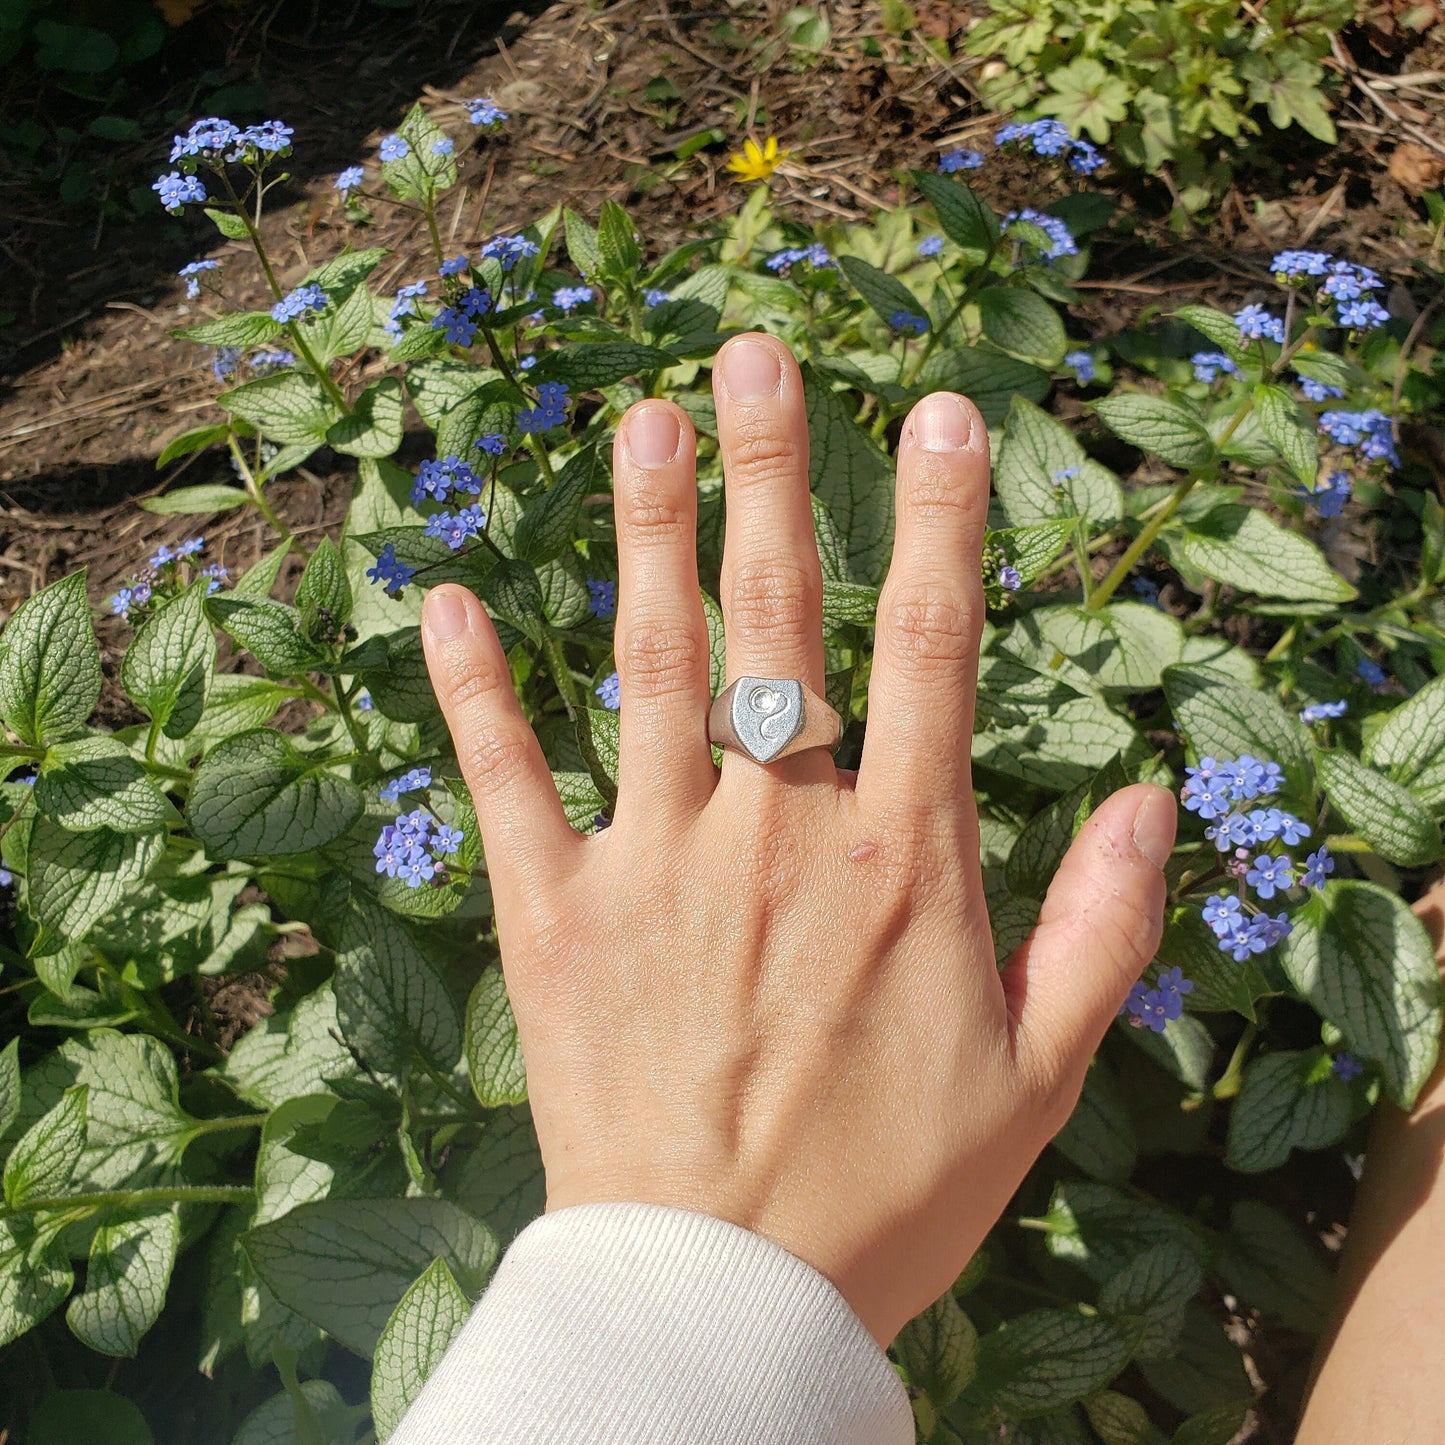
[{"x": 304, "y": 1216}]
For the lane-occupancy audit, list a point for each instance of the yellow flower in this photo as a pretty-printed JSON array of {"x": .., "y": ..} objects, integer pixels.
[{"x": 753, "y": 164}]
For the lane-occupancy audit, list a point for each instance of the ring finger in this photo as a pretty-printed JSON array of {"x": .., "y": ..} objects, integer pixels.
[{"x": 772, "y": 584}]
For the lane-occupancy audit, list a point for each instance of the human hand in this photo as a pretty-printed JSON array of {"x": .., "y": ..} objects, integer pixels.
[{"x": 770, "y": 994}]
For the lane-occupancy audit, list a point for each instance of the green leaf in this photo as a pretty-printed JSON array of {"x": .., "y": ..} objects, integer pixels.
[
  {"x": 1102, "y": 1229},
  {"x": 1010, "y": 693},
  {"x": 344, "y": 1264},
  {"x": 1365, "y": 962},
  {"x": 582, "y": 243},
  {"x": 549, "y": 523},
  {"x": 1224, "y": 720},
  {"x": 599, "y": 363},
  {"x": 1046, "y": 1359},
  {"x": 1217, "y": 328},
  {"x": 280, "y": 1421},
  {"x": 9, "y": 1084},
  {"x": 500, "y": 1178},
  {"x": 77, "y": 878},
  {"x": 1151, "y": 1294},
  {"x": 1392, "y": 820},
  {"x": 343, "y": 273},
  {"x": 1099, "y": 1135},
  {"x": 1215, "y": 1427},
  {"x": 245, "y": 329},
  {"x": 1119, "y": 1420},
  {"x": 125, "y": 1282},
  {"x": 64, "y": 1417},
  {"x": 938, "y": 1349},
  {"x": 1156, "y": 425},
  {"x": 401, "y": 687},
  {"x": 344, "y": 327},
  {"x": 989, "y": 379},
  {"x": 256, "y": 794},
  {"x": 202, "y": 501},
  {"x": 849, "y": 602},
  {"x": 494, "y": 1053},
  {"x": 1022, "y": 323},
  {"x": 1282, "y": 421},
  {"x": 169, "y": 664},
  {"x": 1059, "y": 751},
  {"x": 287, "y": 407},
  {"x": 1189, "y": 944},
  {"x": 1249, "y": 550},
  {"x": 390, "y": 1000},
  {"x": 196, "y": 439},
  {"x": 1042, "y": 473},
  {"x": 512, "y": 590},
  {"x": 49, "y": 664},
  {"x": 136, "y": 1130},
  {"x": 852, "y": 478},
  {"x": 1030, "y": 549},
  {"x": 286, "y": 1053},
  {"x": 967, "y": 220},
  {"x": 617, "y": 242},
  {"x": 236, "y": 703},
  {"x": 323, "y": 596},
  {"x": 429, "y": 1317},
  {"x": 93, "y": 782},
  {"x": 1410, "y": 744},
  {"x": 230, "y": 225},
  {"x": 884, "y": 294},
  {"x": 1125, "y": 646},
  {"x": 374, "y": 427},
  {"x": 422, "y": 172},
  {"x": 1269, "y": 1264},
  {"x": 34, "y": 1277},
  {"x": 270, "y": 631},
  {"x": 260, "y": 577},
  {"x": 44, "y": 1158},
  {"x": 1283, "y": 1104}
]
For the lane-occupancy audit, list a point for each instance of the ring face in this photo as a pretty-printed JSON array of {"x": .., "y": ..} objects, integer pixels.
[{"x": 766, "y": 714}]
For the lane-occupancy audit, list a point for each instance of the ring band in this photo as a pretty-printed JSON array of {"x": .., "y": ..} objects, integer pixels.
[{"x": 767, "y": 718}]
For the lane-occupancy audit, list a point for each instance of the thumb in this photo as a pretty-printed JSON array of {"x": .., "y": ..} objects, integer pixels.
[{"x": 1098, "y": 929}]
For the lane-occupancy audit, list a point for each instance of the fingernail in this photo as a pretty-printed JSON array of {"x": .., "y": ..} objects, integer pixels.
[
  {"x": 941, "y": 423},
  {"x": 1154, "y": 826},
  {"x": 653, "y": 436},
  {"x": 751, "y": 371},
  {"x": 446, "y": 614}
]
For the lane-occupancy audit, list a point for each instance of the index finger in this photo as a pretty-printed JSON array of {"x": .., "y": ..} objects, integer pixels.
[{"x": 930, "y": 614}]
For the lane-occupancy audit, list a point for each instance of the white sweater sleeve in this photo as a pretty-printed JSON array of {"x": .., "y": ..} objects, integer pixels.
[{"x": 638, "y": 1324}]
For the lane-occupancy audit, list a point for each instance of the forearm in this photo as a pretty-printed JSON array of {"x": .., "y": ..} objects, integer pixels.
[{"x": 1378, "y": 1376}]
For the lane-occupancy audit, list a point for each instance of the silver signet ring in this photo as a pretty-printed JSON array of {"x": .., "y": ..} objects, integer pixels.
[{"x": 768, "y": 718}]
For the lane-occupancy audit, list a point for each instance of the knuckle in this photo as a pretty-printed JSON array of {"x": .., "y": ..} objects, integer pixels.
[
  {"x": 474, "y": 689},
  {"x": 935, "y": 486},
  {"x": 650, "y": 511},
  {"x": 772, "y": 598},
  {"x": 661, "y": 658},
  {"x": 760, "y": 452},
  {"x": 493, "y": 759},
  {"x": 930, "y": 626},
  {"x": 1052, "y": 1088}
]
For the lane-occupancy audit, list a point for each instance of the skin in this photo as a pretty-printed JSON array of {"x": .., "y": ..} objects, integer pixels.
[
  {"x": 769, "y": 993},
  {"x": 1376, "y": 1371}
]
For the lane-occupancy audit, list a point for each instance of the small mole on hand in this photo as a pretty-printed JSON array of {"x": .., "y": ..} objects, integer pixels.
[{"x": 863, "y": 851}]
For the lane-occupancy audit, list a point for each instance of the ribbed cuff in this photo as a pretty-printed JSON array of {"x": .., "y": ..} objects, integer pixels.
[{"x": 629, "y": 1324}]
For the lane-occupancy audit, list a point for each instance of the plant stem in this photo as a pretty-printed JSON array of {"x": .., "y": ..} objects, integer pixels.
[
  {"x": 309, "y": 689},
  {"x": 431, "y": 225},
  {"x": 577, "y": 714},
  {"x": 293, "y": 330},
  {"x": 343, "y": 706},
  {"x": 1227, "y": 1085},
  {"x": 19, "y": 750},
  {"x": 222, "y": 1122},
  {"x": 1141, "y": 544},
  {"x": 253, "y": 489},
  {"x": 135, "y": 1198},
  {"x": 534, "y": 443}
]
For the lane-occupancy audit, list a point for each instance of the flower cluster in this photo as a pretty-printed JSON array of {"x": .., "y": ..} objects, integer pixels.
[
  {"x": 162, "y": 577},
  {"x": 484, "y": 111},
  {"x": 550, "y": 411},
  {"x": 216, "y": 142},
  {"x": 1210, "y": 365},
  {"x": 388, "y": 570},
  {"x": 1371, "y": 431},
  {"x": 1152, "y": 1008},
  {"x": 416, "y": 780},
  {"x": 570, "y": 297},
  {"x": 950, "y": 162},
  {"x": 461, "y": 319},
  {"x": 1250, "y": 844},
  {"x": 438, "y": 478},
  {"x": 610, "y": 691},
  {"x": 1255, "y": 322},
  {"x": 178, "y": 191},
  {"x": 508, "y": 250},
  {"x": 1081, "y": 363},
  {"x": 1346, "y": 284},
  {"x": 348, "y": 181},
  {"x": 191, "y": 274},
  {"x": 602, "y": 601},
  {"x": 783, "y": 261},
  {"x": 1060, "y": 239},
  {"x": 415, "y": 848},
  {"x": 304, "y": 301},
  {"x": 1318, "y": 712},
  {"x": 1329, "y": 495},
  {"x": 1313, "y": 390},
  {"x": 904, "y": 320},
  {"x": 1051, "y": 138}
]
